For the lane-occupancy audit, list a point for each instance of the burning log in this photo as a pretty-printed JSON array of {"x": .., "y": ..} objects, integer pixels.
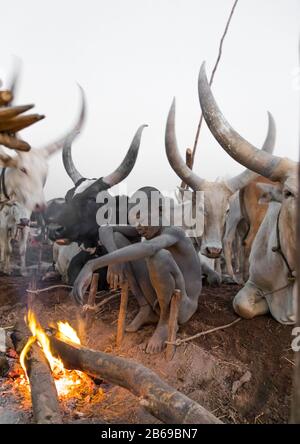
[
  {"x": 42, "y": 387},
  {"x": 44, "y": 397},
  {"x": 162, "y": 401}
]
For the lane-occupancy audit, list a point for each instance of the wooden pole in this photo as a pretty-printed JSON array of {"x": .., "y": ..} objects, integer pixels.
[
  {"x": 160, "y": 399},
  {"x": 213, "y": 74},
  {"x": 295, "y": 411},
  {"x": 189, "y": 163},
  {"x": 122, "y": 314},
  {"x": 173, "y": 324}
]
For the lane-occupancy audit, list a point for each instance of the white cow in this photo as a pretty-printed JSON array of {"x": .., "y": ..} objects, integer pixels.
[
  {"x": 62, "y": 256},
  {"x": 271, "y": 286},
  {"x": 14, "y": 225}
]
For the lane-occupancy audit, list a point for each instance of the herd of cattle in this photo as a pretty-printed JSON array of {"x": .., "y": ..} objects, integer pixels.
[{"x": 249, "y": 220}]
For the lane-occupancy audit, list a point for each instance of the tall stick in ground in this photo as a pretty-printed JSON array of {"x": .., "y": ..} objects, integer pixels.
[
  {"x": 213, "y": 75},
  {"x": 295, "y": 414}
]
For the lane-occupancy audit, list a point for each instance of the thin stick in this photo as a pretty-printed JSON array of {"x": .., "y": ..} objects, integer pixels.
[
  {"x": 89, "y": 309},
  {"x": 93, "y": 289},
  {"x": 173, "y": 324},
  {"x": 213, "y": 75},
  {"x": 189, "y": 163},
  {"x": 203, "y": 333},
  {"x": 31, "y": 294},
  {"x": 122, "y": 314}
]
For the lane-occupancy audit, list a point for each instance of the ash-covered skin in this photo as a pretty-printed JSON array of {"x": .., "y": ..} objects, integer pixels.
[{"x": 166, "y": 260}]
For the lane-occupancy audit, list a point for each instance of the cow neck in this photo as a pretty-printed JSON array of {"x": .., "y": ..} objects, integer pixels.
[
  {"x": 3, "y": 190},
  {"x": 278, "y": 249}
]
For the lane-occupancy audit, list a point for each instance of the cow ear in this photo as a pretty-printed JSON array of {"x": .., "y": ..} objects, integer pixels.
[{"x": 7, "y": 161}]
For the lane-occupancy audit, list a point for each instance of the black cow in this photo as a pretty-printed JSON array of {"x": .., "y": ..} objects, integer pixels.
[{"x": 74, "y": 218}]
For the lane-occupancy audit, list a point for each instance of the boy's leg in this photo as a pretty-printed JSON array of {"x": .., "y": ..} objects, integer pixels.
[
  {"x": 165, "y": 276},
  {"x": 139, "y": 282}
]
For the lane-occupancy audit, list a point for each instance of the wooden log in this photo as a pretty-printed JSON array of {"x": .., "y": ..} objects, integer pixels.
[
  {"x": 5, "y": 97},
  {"x": 13, "y": 111},
  {"x": 20, "y": 122},
  {"x": 43, "y": 392},
  {"x": 173, "y": 324},
  {"x": 13, "y": 143},
  {"x": 44, "y": 396},
  {"x": 161, "y": 400},
  {"x": 122, "y": 314}
]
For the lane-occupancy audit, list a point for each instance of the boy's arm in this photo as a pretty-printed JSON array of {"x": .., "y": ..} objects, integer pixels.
[{"x": 127, "y": 254}]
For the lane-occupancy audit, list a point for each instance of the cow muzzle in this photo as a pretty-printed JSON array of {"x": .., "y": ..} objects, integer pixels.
[{"x": 212, "y": 252}]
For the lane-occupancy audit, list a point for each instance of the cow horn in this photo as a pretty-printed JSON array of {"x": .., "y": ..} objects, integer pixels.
[
  {"x": 128, "y": 163},
  {"x": 58, "y": 145},
  {"x": 241, "y": 180},
  {"x": 70, "y": 168},
  {"x": 12, "y": 84},
  {"x": 236, "y": 146},
  {"x": 174, "y": 157}
]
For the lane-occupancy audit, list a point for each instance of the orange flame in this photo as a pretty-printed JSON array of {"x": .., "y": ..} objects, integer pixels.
[{"x": 65, "y": 380}]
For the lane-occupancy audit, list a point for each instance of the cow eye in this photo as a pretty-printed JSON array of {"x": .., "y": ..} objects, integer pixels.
[
  {"x": 24, "y": 170},
  {"x": 287, "y": 194}
]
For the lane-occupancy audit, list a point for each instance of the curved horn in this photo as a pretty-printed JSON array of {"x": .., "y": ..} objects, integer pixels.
[
  {"x": 70, "y": 168},
  {"x": 58, "y": 145},
  {"x": 236, "y": 146},
  {"x": 242, "y": 179},
  {"x": 128, "y": 163},
  {"x": 174, "y": 157}
]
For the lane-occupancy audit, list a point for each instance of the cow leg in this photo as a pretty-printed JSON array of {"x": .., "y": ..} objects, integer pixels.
[
  {"x": 140, "y": 285},
  {"x": 22, "y": 250},
  {"x": 2, "y": 249},
  {"x": 165, "y": 276},
  {"x": 249, "y": 303},
  {"x": 7, "y": 256}
]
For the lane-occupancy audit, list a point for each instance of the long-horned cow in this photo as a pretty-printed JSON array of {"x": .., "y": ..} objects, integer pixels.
[
  {"x": 217, "y": 193},
  {"x": 24, "y": 175},
  {"x": 252, "y": 203},
  {"x": 271, "y": 284},
  {"x": 74, "y": 219}
]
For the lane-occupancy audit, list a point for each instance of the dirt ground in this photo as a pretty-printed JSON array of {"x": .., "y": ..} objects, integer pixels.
[{"x": 208, "y": 369}]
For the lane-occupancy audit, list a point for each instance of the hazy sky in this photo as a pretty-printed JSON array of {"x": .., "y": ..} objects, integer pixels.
[{"x": 132, "y": 57}]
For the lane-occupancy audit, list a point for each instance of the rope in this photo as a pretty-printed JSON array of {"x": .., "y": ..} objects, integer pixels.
[
  {"x": 52, "y": 287},
  {"x": 203, "y": 333},
  {"x": 222, "y": 327}
]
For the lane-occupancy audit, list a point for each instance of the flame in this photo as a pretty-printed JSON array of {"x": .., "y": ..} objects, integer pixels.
[
  {"x": 68, "y": 382},
  {"x": 67, "y": 333}
]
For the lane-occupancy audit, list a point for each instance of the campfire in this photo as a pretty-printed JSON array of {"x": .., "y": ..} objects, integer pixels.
[{"x": 69, "y": 383}]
